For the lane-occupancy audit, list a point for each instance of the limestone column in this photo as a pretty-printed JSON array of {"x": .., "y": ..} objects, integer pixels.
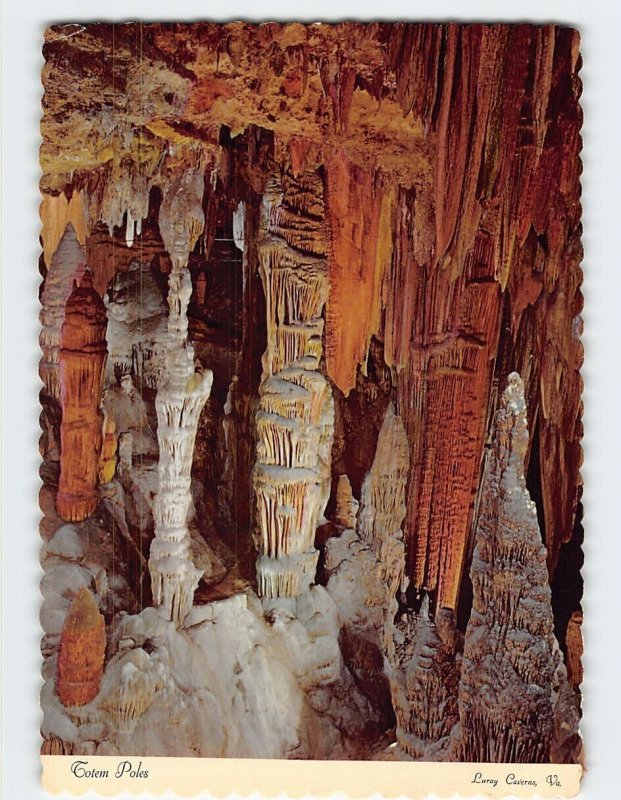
[
  {"x": 295, "y": 423},
  {"x": 181, "y": 396},
  {"x": 82, "y": 360}
]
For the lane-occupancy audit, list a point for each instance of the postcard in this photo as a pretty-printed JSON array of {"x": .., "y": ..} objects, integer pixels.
[{"x": 311, "y": 408}]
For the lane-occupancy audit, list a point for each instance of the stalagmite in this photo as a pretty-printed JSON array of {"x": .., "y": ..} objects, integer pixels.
[
  {"x": 382, "y": 501},
  {"x": 130, "y": 686},
  {"x": 295, "y": 423},
  {"x": 575, "y": 647},
  {"x": 124, "y": 406},
  {"x": 67, "y": 265},
  {"x": 511, "y": 664},
  {"x": 82, "y": 360},
  {"x": 346, "y": 504},
  {"x": 82, "y": 651},
  {"x": 108, "y": 461},
  {"x": 424, "y": 672},
  {"x": 182, "y": 393}
]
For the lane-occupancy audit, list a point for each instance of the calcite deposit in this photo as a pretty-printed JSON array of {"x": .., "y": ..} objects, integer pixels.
[
  {"x": 81, "y": 651},
  {"x": 82, "y": 358},
  {"x": 302, "y": 288},
  {"x": 512, "y": 673},
  {"x": 295, "y": 421}
]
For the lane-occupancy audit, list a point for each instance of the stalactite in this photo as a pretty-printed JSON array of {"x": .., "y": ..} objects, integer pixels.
[
  {"x": 67, "y": 265},
  {"x": 295, "y": 423},
  {"x": 511, "y": 665},
  {"x": 56, "y": 213},
  {"x": 82, "y": 651},
  {"x": 446, "y": 150},
  {"x": 82, "y": 360},
  {"x": 444, "y": 361},
  {"x": 182, "y": 392},
  {"x": 359, "y": 212}
]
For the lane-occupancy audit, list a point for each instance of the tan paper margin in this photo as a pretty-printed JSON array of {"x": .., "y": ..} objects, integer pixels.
[{"x": 357, "y": 779}]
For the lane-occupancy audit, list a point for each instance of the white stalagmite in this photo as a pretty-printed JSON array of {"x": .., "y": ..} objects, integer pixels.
[
  {"x": 180, "y": 399},
  {"x": 295, "y": 423}
]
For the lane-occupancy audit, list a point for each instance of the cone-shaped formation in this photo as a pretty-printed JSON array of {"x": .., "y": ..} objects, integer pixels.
[
  {"x": 511, "y": 658},
  {"x": 295, "y": 423},
  {"x": 66, "y": 266},
  {"x": 181, "y": 397},
  {"x": 82, "y": 651},
  {"x": 423, "y": 675},
  {"x": 382, "y": 506},
  {"x": 419, "y": 654},
  {"x": 82, "y": 360}
]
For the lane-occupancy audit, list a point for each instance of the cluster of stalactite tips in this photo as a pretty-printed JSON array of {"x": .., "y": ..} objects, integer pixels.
[{"x": 311, "y": 401}]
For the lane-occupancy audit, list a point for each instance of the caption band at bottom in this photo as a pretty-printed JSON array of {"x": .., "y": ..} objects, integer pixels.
[{"x": 109, "y": 775}]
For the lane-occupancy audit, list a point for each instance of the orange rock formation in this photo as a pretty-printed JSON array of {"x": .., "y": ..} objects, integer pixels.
[
  {"x": 82, "y": 360},
  {"x": 82, "y": 651}
]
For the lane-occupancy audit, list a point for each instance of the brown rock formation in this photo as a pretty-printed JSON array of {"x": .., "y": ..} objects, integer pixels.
[
  {"x": 82, "y": 651},
  {"x": 82, "y": 360},
  {"x": 512, "y": 669},
  {"x": 346, "y": 504},
  {"x": 575, "y": 647}
]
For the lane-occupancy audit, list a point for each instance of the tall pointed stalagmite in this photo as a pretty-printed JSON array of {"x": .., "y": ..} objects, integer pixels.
[
  {"x": 82, "y": 360},
  {"x": 512, "y": 664},
  {"x": 295, "y": 423},
  {"x": 181, "y": 396}
]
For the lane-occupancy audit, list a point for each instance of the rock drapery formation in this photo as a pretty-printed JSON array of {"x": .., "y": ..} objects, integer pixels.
[
  {"x": 362, "y": 230},
  {"x": 512, "y": 664},
  {"x": 82, "y": 650},
  {"x": 294, "y": 426},
  {"x": 82, "y": 361}
]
